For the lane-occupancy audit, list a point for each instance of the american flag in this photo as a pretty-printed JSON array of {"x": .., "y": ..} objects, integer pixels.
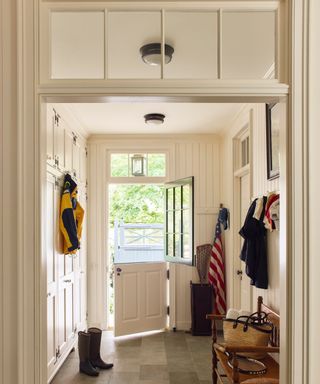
[{"x": 216, "y": 272}]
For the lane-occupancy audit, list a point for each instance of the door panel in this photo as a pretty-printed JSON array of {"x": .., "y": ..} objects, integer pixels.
[
  {"x": 52, "y": 337},
  {"x": 68, "y": 150},
  {"x": 246, "y": 290},
  {"x": 140, "y": 297},
  {"x": 153, "y": 300}
]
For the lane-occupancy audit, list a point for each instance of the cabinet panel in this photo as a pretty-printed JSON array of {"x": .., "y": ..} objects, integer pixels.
[
  {"x": 68, "y": 150},
  {"x": 77, "y": 45},
  {"x": 62, "y": 337},
  {"x": 248, "y": 44},
  {"x": 69, "y": 315},
  {"x": 50, "y": 136},
  {"x": 51, "y": 228},
  {"x": 83, "y": 164},
  {"x": 51, "y": 333},
  {"x": 194, "y": 37},
  {"x": 76, "y": 159},
  {"x": 127, "y": 33},
  {"x": 68, "y": 259},
  {"x": 59, "y": 140}
]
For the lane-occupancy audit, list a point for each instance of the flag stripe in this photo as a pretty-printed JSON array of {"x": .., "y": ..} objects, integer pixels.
[{"x": 216, "y": 272}]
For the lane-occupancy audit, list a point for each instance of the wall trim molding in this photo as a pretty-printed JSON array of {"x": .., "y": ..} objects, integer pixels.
[{"x": 31, "y": 346}]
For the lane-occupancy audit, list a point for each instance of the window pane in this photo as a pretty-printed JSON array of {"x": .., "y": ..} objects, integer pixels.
[
  {"x": 177, "y": 244},
  {"x": 119, "y": 165},
  {"x": 170, "y": 198},
  {"x": 186, "y": 196},
  {"x": 170, "y": 245},
  {"x": 170, "y": 222},
  {"x": 177, "y": 197},
  {"x": 156, "y": 164},
  {"x": 177, "y": 221},
  {"x": 186, "y": 247},
  {"x": 186, "y": 221}
]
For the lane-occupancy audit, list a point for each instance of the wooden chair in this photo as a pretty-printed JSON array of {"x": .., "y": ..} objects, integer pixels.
[{"x": 232, "y": 374}]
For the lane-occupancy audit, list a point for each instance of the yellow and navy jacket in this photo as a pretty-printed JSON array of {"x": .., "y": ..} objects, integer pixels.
[{"x": 71, "y": 216}]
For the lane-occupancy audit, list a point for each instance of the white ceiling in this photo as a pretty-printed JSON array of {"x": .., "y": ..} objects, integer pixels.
[{"x": 128, "y": 118}]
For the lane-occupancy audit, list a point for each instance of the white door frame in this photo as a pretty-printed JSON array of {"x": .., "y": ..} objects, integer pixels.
[
  {"x": 237, "y": 174},
  {"x": 28, "y": 308},
  {"x": 236, "y": 237}
]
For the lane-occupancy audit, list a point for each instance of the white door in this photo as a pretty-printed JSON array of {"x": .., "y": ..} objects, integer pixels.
[
  {"x": 245, "y": 290},
  {"x": 140, "y": 297},
  {"x": 52, "y": 281}
]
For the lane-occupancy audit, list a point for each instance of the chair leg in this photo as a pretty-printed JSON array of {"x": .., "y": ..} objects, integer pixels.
[
  {"x": 214, "y": 367},
  {"x": 235, "y": 372},
  {"x": 214, "y": 355}
]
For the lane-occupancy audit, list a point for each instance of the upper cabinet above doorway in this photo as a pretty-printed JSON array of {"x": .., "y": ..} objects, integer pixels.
[{"x": 203, "y": 42}]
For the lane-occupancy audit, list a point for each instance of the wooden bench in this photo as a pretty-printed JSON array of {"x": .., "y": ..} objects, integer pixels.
[{"x": 232, "y": 374}]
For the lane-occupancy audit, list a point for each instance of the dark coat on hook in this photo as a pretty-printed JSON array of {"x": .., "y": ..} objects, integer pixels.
[{"x": 254, "y": 249}]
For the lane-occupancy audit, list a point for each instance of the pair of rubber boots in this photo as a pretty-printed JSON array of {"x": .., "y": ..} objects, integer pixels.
[{"x": 89, "y": 344}]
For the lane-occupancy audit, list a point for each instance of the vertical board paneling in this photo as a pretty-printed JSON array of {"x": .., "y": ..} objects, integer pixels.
[
  {"x": 197, "y": 157},
  {"x": 194, "y": 155},
  {"x": 260, "y": 186}
]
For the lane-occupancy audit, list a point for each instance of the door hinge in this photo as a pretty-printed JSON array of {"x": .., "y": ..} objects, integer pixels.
[
  {"x": 168, "y": 310},
  {"x": 168, "y": 274},
  {"x": 87, "y": 315},
  {"x": 86, "y": 149},
  {"x": 74, "y": 137}
]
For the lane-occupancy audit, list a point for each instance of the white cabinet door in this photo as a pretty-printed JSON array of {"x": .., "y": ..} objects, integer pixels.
[
  {"x": 80, "y": 287},
  {"x": 68, "y": 150},
  {"x": 52, "y": 337},
  {"x": 59, "y": 143},
  {"x": 76, "y": 158},
  {"x": 140, "y": 297},
  {"x": 83, "y": 164},
  {"x": 50, "y": 136}
]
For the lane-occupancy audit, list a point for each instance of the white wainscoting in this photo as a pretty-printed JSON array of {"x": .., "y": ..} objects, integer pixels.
[
  {"x": 254, "y": 115},
  {"x": 189, "y": 155}
]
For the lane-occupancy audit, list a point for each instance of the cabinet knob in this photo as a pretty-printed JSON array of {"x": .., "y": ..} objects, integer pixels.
[
  {"x": 67, "y": 281},
  {"x": 48, "y": 294},
  {"x": 239, "y": 272}
]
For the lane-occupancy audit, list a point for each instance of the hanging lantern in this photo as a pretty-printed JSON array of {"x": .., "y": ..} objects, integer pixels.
[{"x": 138, "y": 165}]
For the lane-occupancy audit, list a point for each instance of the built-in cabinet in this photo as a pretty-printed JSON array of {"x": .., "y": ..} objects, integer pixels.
[{"x": 66, "y": 274}]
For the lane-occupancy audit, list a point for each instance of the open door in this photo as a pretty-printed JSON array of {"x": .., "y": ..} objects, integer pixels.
[
  {"x": 140, "y": 291},
  {"x": 179, "y": 221}
]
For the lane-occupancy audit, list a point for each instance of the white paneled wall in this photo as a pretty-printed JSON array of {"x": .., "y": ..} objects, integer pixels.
[
  {"x": 199, "y": 157},
  {"x": 260, "y": 186},
  {"x": 189, "y": 155},
  {"x": 254, "y": 115}
]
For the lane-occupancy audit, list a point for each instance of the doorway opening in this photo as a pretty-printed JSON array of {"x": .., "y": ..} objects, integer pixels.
[
  {"x": 135, "y": 230},
  {"x": 202, "y": 154}
]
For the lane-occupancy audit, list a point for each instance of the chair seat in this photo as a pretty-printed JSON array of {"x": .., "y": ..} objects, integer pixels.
[{"x": 270, "y": 377}]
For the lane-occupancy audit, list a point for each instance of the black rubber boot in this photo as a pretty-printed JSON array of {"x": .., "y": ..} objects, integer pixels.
[
  {"x": 95, "y": 344},
  {"x": 84, "y": 351}
]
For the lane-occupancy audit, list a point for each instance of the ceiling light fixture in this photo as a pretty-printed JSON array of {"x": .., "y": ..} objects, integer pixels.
[
  {"x": 154, "y": 118},
  {"x": 151, "y": 53}
]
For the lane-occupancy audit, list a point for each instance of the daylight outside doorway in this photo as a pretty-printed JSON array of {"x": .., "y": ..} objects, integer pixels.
[{"x": 136, "y": 218}]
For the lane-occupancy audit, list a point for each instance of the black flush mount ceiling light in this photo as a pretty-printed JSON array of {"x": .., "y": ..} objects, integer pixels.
[
  {"x": 154, "y": 118},
  {"x": 151, "y": 53}
]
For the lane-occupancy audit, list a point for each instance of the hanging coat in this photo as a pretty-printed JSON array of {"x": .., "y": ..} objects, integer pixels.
[
  {"x": 254, "y": 249},
  {"x": 71, "y": 216}
]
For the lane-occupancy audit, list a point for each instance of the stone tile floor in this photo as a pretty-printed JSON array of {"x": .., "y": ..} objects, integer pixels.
[{"x": 157, "y": 358}]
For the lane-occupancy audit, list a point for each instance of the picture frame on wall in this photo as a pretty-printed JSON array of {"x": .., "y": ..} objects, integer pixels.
[{"x": 273, "y": 114}]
